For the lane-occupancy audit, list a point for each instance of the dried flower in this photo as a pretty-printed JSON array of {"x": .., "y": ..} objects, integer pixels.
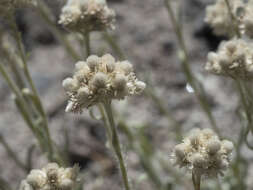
[
  {"x": 51, "y": 177},
  {"x": 87, "y": 15},
  {"x": 218, "y": 16},
  {"x": 203, "y": 153},
  {"x": 234, "y": 59},
  {"x": 100, "y": 79}
]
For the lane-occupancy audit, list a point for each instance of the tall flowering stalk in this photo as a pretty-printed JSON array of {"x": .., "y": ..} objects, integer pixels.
[
  {"x": 99, "y": 80},
  {"x": 234, "y": 58},
  {"x": 191, "y": 79},
  {"x": 26, "y": 95}
]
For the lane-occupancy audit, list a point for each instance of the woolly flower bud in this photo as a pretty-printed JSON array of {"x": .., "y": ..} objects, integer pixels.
[
  {"x": 93, "y": 62},
  {"x": 119, "y": 82},
  {"x": 65, "y": 184},
  {"x": 37, "y": 178},
  {"x": 203, "y": 153},
  {"x": 87, "y": 15},
  {"x": 105, "y": 79},
  {"x": 79, "y": 65},
  {"x": 234, "y": 59},
  {"x": 70, "y": 84},
  {"x": 227, "y": 146},
  {"x": 180, "y": 151},
  {"x": 126, "y": 67},
  {"x": 99, "y": 80},
  {"x": 213, "y": 146},
  {"x": 198, "y": 160},
  {"x": 25, "y": 186},
  {"x": 50, "y": 177},
  {"x": 110, "y": 62},
  {"x": 83, "y": 93}
]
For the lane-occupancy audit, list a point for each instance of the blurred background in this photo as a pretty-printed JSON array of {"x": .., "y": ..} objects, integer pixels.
[{"x": 145, "y": 35}]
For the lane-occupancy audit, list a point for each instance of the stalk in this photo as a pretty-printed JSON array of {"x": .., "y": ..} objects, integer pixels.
[
  {"x": 196, "y": 179},
  {"x": 86, "y": 36},
  {"x": 12, "y": 154},
  {"x": 192, "y": 80},
  {"x": 114, "y": 45},
  {"x": 37, "y": 101},
  {"x": 115, "y": 143},
  {"x": 21, "y": 105},
  {"x": 46, "y": 14}
]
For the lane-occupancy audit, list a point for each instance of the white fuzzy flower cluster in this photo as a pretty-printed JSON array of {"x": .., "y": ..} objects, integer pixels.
[
  {"x": 87, "y": 15},
  {"x": 219, "y": 18},
  {"x": 203, "y": 153},
  {"x": 99, "y": 79},
  {"x": 51, "y": 177},
  {"x": 234, "y": 58}
]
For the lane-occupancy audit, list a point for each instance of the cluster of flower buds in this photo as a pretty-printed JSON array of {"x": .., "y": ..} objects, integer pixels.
[
  {"x": 51, "y": 177},
  {"x": 219, "y": 17},
  {"x": 234, "y": 59},
  {"x": 203, "y": 153},
  {"x": 87, "y": 15},
  {"x": 100, "y": 79}
]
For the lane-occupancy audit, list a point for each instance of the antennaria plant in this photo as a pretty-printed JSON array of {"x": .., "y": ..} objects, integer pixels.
[{"x": 156, "y": 140}]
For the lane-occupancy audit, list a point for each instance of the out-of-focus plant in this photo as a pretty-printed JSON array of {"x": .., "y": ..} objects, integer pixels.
[
  {"x": 97, "y": 81},
  {"x": 20, "y": 81}
]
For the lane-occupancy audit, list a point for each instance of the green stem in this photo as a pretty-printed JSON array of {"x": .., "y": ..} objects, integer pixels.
[
  {"x": 162, "y": 108},
  {"x": 183, "y": 55},
  {"x": 37, "y": 101},
  {"x": 4, "y": 185},
  {"x": 245, "y": 103},
  {"x": 12, "y": 154},
  {"x": 196, "y": 179},
  {"x": 116, "y": 144},
  {"x": 21, "y": 104},
  {"x": 86, "y": 37},
  {"x": 144, "y": 159},
  {"x": 12, "y": 61},
  {"x": 114, "y": 45},
  {"x": 46, "y": 14},
  {"x": 109, "y": 132}
]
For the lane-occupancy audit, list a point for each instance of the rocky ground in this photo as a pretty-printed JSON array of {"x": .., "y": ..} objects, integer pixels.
[{"x": 146, "y": 36}]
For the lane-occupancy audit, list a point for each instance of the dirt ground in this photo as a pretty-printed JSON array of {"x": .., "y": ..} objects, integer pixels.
[{"x": 146, "y": 36}]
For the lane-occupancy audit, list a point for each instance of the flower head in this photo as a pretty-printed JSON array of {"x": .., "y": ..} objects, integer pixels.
[
  {"x": 87, "y": 15},
  {"x": 219, "y": 17},
  {"x": 203, "y": 153},
  {"x": 234, "y": 58},
  {"x": 99, "y": 79},
  {"x": 50, "y": 177}
]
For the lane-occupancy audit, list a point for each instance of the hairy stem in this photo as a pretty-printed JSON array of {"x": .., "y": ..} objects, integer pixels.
[
  {"x": 116, "y": 144},
  {"x": 245, "y": 103},
  {"x": 113, "y": 44},
  {"x": 12, "y": 154},
  {"x": 192, "y": 80},
  {"x": 196, "y": 179},
  {"x": 86, "y": 37},
  {"x": 46, "y": 14}
]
